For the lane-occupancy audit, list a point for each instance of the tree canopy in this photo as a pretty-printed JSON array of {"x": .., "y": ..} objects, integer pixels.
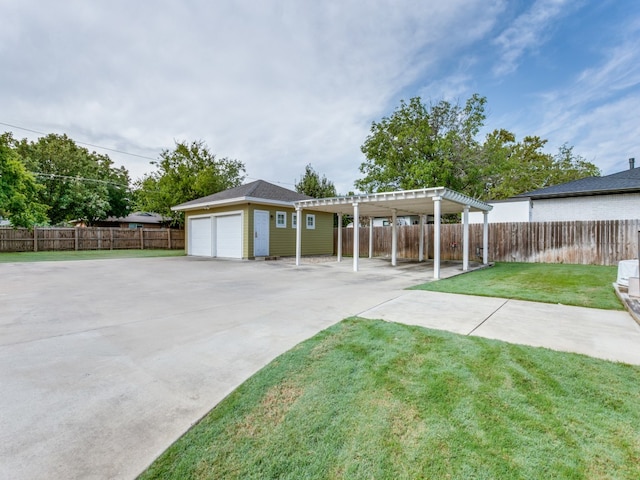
[
  {"x": 18, "y": 189},
  {"x": 311, "y": 184},
  {"x": 421, "y": 146},
  {"x": 76, "y": 184},
  {"x": 187, "y": 172}
]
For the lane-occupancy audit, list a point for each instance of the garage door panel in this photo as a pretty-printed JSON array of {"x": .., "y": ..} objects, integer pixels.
[
  {"x": 229, "y": 236},
  {"x": 200, "y": 237}
]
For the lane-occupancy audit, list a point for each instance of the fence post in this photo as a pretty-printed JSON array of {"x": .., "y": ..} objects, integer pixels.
[
  {"x": 169, "y": 237},
  {"x": 141, "y": 239},
  {"x": 35, "y": 239},
  {"x": 111, "y": 238},
  {"x": 75, "y": 237}
]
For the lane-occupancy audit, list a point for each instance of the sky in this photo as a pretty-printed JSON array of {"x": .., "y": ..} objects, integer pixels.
[{"x": 279, "y": 84}]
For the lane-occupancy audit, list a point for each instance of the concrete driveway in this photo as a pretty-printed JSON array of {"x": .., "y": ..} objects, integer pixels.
[{"x": 105, "y": 363}]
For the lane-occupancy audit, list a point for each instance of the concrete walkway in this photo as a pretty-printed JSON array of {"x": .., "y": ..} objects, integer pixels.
[
  {"x": 103, "y": 364},
  {"x": 606, "y": 334}
]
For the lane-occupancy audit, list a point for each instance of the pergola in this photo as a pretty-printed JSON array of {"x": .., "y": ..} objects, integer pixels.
[{"x": 428, "y": 201}]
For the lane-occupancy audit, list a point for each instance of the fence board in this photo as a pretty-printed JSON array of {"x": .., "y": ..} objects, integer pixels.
[
  {"x": 604, "y": 242},
  {"x": 89, "y": 238}
]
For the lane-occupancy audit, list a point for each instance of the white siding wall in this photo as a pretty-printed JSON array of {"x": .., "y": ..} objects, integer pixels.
[
  {"x": 598, "y": 207},
  {"x": 503, "y": 212}
]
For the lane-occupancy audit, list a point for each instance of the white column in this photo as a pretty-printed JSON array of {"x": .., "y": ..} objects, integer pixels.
[
  {"x": 421, "y": 241},
  {"x": 356, "y": 236},
  {"x": 485, "y": 239},
  {"x": 394, "y": 237},
  {"x": 370, "y": 237},
  {"x": 465, "y": 238},
  {"x": 436, "y": 237},
  {"x": 298, "y": 235},
  {"x": 340, "y": 237}
]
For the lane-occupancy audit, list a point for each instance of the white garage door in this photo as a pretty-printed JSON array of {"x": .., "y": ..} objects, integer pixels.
[
  {"x": 200, "y": 237},
  {"x": 229, "y": 236}
]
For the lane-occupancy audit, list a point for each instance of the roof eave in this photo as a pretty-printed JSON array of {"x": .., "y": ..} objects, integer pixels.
[{"x": 231, "y": 201}]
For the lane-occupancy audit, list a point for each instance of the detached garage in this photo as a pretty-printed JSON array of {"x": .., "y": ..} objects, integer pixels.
[{"x": 253, "y": 220}]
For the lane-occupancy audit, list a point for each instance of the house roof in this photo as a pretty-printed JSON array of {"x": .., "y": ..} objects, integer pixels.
[
  {"x": 139, "y": 217},
  {"x": 626, "y": 181},
  {"x": 404, "y": 202},
  {"x": 257, "y": 192}
]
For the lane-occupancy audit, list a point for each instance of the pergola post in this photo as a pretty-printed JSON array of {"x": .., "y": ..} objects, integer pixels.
[
  {"x": 298, "y": 235},
  {"x": 339, "y": 237},
  {"x": 436, "y": 237},
  {"x": 421, "y": 241},
  {"x": 485, "y": 239},
  {"x": 394, "y": 237},
  {"x": 370, "y": 237},
  {"x": 356, "y": 236},
  {"x": 465, "y": 238}
]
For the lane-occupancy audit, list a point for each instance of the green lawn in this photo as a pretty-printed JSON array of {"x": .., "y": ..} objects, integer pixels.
[
  {"x": 370, "y": 399},
  {"x": 10, "y": 257},
  {"x": 582, "y": 285}
]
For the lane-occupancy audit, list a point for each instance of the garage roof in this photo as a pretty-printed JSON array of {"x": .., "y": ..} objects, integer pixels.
[
  {"x": 255, "y": 192},
  {"x": 405, "y": 202}
]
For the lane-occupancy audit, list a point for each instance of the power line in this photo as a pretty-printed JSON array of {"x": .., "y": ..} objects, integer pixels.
[
  {"x": 84, "y": 179},
  {"x": 111, "y": 150},
  {"x": 81, "y": 143}
]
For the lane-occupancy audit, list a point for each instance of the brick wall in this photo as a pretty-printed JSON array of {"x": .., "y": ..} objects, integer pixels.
[{"x": 598, "y": 207}]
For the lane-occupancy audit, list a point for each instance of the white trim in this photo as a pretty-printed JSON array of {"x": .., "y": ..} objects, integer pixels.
[
  {"x": 294, "y": 220},
  {"x": 232, "y": 201},
  {"x": 384, "y": 200},
  {"x": 284, "y": 219},
  {"x": 310, "y": 216}
]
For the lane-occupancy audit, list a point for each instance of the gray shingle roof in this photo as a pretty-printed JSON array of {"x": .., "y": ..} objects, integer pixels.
[
  {"x": 622, "y": 182},
  {"x": 258, "y": 190}
]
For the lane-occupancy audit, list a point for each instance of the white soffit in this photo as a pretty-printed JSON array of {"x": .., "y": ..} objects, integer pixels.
[{"x": 405, "y": 202}]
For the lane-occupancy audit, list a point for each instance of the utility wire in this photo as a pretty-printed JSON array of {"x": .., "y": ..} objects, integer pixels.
[
  {"x": 110, "y": 150},
  {"x": 81, "y": 143},
  {"x": 84, "y": 179}
]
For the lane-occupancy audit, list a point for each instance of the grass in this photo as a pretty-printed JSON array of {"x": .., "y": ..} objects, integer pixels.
[
  {"x": 370, "y": 399},
  {"x": 12, "y": 257},
  {"x": 581, "y": 285}
]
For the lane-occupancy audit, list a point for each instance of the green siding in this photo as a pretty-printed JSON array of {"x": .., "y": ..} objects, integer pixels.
[{"x": 282, "y": 241}]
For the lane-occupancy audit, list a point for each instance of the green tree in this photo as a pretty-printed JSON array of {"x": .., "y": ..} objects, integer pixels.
[
  {"x": 18, "y": 188},
  {"x": 422, "y": 146},
  {"x": 77, "y": 184},
  {"x": 311, "y": 184},
  {"x": 187, "y": 172},
  {"x": 512, "y": 168}
]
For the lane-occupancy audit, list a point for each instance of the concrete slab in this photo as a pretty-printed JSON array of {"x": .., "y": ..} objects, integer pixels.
[
  {"x": 103, "y": 364},
  {"x": 606, "y": 334},
  {"x": 443, "y": 311}
]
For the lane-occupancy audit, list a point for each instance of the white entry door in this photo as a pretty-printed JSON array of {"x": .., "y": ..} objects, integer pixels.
[
  {"x": 229, "y": 236},
  {"x": 260, "y": 233},
  {"x": 200, "y": 237}
]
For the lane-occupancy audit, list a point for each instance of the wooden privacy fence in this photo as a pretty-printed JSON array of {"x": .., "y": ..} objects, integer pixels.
[
  {"x": 594, "y": 242},
  {"x": 88, "y": 238}
]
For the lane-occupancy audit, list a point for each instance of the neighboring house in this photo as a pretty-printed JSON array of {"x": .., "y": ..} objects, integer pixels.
[
  {"x": 253, "y": 220},
  {"x": 4, "y": 222},
  {"x": 611, "y": 197},
  {"x": 133, "y": 220}
]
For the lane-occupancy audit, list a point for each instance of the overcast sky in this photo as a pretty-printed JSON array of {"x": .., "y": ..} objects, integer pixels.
[{"x": 279, "y": 84}]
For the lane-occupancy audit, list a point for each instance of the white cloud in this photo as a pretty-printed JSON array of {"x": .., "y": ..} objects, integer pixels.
[
  {"x": 274, "y": 84},
  {"x": 527, "y": 32},
  {"x": 599, "y": 111}
]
